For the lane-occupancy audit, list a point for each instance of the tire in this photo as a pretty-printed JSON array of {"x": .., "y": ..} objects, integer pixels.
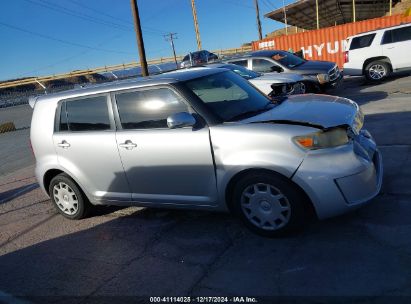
[
  {"x": 269, "y": 204},
  {"x": 377, "y": 71},
  {"x": 68, "y": 198}
]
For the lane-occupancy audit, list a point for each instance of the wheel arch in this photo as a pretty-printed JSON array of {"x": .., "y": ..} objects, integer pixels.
[
  {"x": 377, "y": 58},
  {"x": 229, "y": 191},
  {"x": 51, "y": 173}
]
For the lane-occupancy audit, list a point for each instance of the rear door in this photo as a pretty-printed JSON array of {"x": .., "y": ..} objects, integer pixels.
[
  {"x": 397, "y": 45},
  {"x": 85, "y": 143},
  {"x": 167, "y": 166}
]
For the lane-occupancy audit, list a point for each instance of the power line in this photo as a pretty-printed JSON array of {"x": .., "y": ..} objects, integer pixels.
[
  {"x": 89, "y": 18},
  {"x": 238, "y": 4},
  {"x": 98, "y": 11},
  {"x": 66, "y": 59},
  {"x": 63, "y": 10},
  {"x": 61, "y": 40},
  {"x": 113, "y": 17}
]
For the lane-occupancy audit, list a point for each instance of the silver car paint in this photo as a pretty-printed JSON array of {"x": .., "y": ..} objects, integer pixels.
[{"x": 207, "y": 159}]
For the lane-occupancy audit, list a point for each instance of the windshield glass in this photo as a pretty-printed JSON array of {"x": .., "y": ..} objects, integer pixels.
[
  {"x": 229, "y": 96},
  {"x": 242, "y": 71},
  {"x": 287, "y": 59}
]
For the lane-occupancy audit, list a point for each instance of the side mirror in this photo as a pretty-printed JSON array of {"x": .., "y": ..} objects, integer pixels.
[
  {"x": 180, "y": 120},
  {"x": 276, "y": 68}
]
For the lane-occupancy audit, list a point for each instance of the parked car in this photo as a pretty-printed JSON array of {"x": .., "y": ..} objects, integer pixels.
[
  {"x": 378, "y": 53},
  {"x": 319, "y": 75},
  {"x": 204, "y": 139},
  {"x": 271, "y": 84},
  {"x": 198, "y": 58}
]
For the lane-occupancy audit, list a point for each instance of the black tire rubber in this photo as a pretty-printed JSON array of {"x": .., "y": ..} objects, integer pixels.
[
  {"x": 84, "y": 205},
  {"x": 382, "y": 63},
  {"x": 298, "y": 201}
]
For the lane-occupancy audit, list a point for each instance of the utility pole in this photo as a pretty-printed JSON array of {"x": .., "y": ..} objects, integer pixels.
[
  {"x": 139, "y": 36},
  {"x": 170, "y": 37},
  {"x": 193, "y": 7},
  {"x": 285, "y": 19},
  {"x": 257, "y": 11}
]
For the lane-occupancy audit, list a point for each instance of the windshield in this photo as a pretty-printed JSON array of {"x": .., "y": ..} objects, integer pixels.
[
  {"x": 287, "y": 59},
  {"x": 229, "y": 96},
  {"x": 242, "y": 71}
]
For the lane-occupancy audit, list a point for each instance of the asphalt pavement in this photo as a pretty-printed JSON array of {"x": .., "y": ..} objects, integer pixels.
[{"x": 128, "y": 254}]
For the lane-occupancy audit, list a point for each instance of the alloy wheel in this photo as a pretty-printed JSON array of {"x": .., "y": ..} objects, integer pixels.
[
  {"x": 377, "y": 71},
  {"x": 65, "y": 198}
]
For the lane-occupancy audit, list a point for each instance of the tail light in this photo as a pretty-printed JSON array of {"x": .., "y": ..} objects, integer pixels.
[{"x": 346, "y": 58}]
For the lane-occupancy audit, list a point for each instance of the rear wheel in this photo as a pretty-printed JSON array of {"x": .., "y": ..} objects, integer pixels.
[
  {"x": 68, "y": 198},
  {"x": 269, "y": 204},
  {"x": 377, "y": 70}
]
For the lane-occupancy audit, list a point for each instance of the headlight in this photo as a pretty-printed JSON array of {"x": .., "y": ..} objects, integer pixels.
[
  {"x": 323, "y": 139},
  {"x": 323, "y": 78}
]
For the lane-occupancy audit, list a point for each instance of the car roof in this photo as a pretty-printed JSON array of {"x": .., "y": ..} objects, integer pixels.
[
  {"x": 262, "y": 53},
  {"x": 380, "y": 29},
  {"x": 165, "y": 78}
]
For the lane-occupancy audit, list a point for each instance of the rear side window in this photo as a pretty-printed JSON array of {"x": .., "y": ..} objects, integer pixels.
[
  {"x": 362, "y": 41},
  {"x": 243, "y": 63},
  {"x": 397, "y": 35},
  {"x": 87, "y": 114},
  {"x": 148, "y": 109},
  {"x": 401, "y": 34}
]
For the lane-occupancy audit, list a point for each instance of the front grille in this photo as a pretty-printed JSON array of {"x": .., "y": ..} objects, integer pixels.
[{"x": 334, "y": 73}]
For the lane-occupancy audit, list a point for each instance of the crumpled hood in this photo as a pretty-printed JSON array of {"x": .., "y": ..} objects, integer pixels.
[
  {"x": 315, "y": 66},
  {"x": 279, "y": 77},
  {"x": 321, "y": 111}
]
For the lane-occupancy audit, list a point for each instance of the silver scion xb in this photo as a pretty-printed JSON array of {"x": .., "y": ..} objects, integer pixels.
[{"x": 204, "y": 139}]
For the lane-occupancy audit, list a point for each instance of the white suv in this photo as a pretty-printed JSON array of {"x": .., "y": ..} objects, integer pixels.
[{"x": 376, "y": 54}]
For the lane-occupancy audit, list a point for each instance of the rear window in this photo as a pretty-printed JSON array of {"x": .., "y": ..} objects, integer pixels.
[{"x": 362, "y": 41}]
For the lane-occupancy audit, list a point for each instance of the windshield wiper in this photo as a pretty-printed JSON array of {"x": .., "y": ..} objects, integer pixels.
[{"x": 252, "y": 113}]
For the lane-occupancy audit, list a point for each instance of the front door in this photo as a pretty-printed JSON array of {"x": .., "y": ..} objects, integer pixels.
[
  {"x": 168, "y": 166},
  {"x": 86, "y": 147}
]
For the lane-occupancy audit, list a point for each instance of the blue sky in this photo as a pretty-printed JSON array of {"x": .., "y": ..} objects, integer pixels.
[{"x": 44, "y": 37}]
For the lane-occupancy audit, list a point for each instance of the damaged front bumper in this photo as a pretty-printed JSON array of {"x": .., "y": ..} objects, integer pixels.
[{"x": 340, "y": 179}]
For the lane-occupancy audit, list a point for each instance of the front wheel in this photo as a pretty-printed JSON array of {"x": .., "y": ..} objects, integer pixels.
[
  {"x": 269, "y": 204},
  {"x": 377, "y": 71}
]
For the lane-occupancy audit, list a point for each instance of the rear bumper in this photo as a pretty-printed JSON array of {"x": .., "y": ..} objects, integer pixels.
[
  {"x": 339, "y": 180},
  {"x": 352, "y": 70}
]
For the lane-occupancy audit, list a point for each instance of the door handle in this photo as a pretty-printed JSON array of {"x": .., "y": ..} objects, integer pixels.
[
  {"x": 64, "y": 144},
  {"x": 128, "y": 144},
  {"x": 391, "y": 47}
]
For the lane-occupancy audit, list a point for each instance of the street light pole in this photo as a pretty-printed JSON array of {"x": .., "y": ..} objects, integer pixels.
[{"x": 139, "y": 36}]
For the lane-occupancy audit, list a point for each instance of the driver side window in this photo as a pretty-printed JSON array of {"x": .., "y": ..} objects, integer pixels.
[
  {"x": 148, "y": 109},
  {"x": 263, "y": 65}
]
